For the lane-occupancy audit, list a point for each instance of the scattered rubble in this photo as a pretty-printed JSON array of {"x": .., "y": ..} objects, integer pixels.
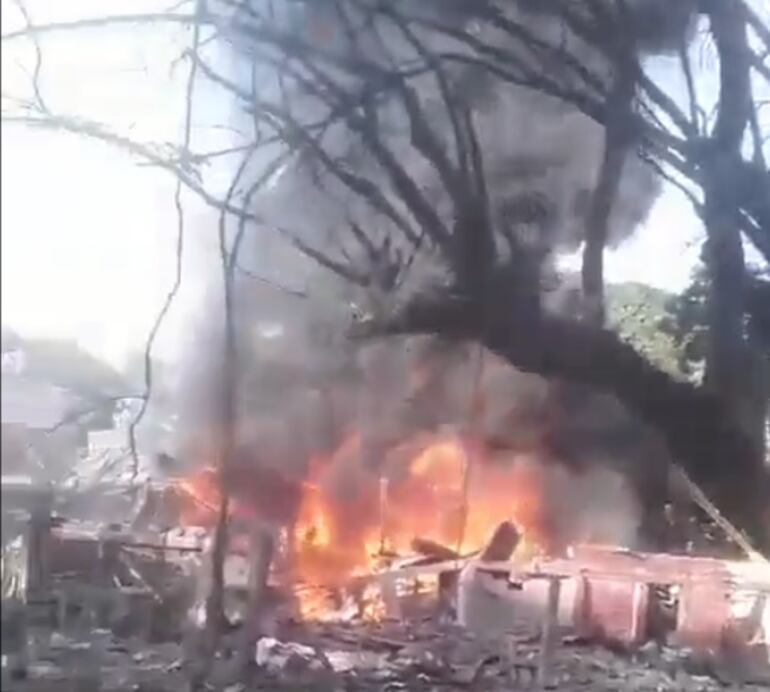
[
  {"x": 108, "y": 607},
  {"x": 327, "y": 658}
]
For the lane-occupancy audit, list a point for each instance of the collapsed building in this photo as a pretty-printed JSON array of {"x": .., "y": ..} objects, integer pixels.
[
  {"x": 415, "y": 552},
  {"x": 397, "y": 498},
  {"x": 378, "y": 499}
]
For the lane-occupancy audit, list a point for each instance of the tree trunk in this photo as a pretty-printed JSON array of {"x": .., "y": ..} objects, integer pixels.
[
  {"x": 261, "y": 559},
  {"x": 597, "y": 220},
  {"x": 694, "y": 423},
  {"x": 734, "y": 371},
  {"x": 215, "y": 615}
]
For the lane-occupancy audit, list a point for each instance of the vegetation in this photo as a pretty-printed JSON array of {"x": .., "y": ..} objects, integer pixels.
[{"x": 648, "y": 318}]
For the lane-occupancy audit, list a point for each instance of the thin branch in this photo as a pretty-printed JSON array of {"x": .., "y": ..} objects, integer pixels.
[
  {"x": 661, "y": 99},
  {"x": 146, "y": 152},
  {"x": 687, "y": 192},
  {"x": 358, "y": 233},
  {"x": 425, "y": 140},
  {"x": 476, "y": 157},
  {"x": 498, "y": 61},
  {"x": 757, "y": 139},
  {"x": 345, "y": 271},
  {"x": 296, "y": 292},
  {"x": 174, "y": 290},
  {"x": 684, "y": 59},
  {"x": 755, "y": 22},
  {"x": 445, "y": 90},
  {"x": 758, "y": 236},
  {"x": 76, "y": 416},
  {"x": 368, "y": 190},
  {"x": 760, "y": 65},
  {"x": 100, "y": 22},
  {"x": 206, "y": 156},
  {"x": 267, "y": 175},
  {"x": 294, "y": 131},
  {"x": 522, "y": 36},
  {"x": 584, "y": 102},
  {"x": 402, "y": 182},
  {"x": 474, "y": 244},
  {"x": 616, "y": 144},
  {"x": 41, "y": 105}
]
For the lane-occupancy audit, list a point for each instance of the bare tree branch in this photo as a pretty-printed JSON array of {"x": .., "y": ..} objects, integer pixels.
[
  {"x": 402, "y": 182},
  {"x": 450, "y": 100},
  {"x": 146, "y": 152},
  {"x": 174, "y": 290},
  {"x": 756, "y": 23},
  {"x": 564, "y": 348},
  {"x": 296, "y": 292},
  {"x": 758, "y": 156},
  {"x": 695, "y": 110},
  {"x": 101, "y": 22},
  {"x": 618, "y": 136},
  {"x": 293, "y": 130},
  {"x": 77, "y": 416},
  {"x": 39, "y": 102}
]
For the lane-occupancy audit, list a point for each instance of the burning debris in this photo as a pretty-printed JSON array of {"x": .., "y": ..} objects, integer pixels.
[
  {"x": 433, "y": 555},
  {"x": 374, "y": 520},
  {"x": 481, "y": 594}
]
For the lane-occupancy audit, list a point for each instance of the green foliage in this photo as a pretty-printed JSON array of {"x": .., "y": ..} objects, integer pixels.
[
  {"x": 672, "y": 330},
  {"x": 647, "y": 319},
  {"x": 687, "y": 317},
  {"x": 687, "y": 323}
]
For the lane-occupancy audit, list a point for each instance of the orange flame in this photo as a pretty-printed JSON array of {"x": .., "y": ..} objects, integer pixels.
[
  {"x": 352, "y": 520},
  {"x": 203, "y": 495},
  {"x": 442, "y": 489}
]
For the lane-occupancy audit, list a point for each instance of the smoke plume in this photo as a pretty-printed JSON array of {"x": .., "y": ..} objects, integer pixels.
[{"x": 303, "y": 387}]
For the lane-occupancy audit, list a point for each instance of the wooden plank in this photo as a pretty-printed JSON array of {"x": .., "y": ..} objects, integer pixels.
[{"x": 549, "y": 635}]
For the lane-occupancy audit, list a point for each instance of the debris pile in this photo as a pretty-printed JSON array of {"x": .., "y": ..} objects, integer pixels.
[
  {"x": 372, "y": 656},
  {"x": 112, "y": 606}
]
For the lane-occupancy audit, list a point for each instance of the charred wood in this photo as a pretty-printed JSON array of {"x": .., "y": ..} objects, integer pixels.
[{"x": 431, "y": 549}]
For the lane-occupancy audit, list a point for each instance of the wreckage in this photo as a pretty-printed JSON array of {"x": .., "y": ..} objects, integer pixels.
[{"x": 144, "y": 579}]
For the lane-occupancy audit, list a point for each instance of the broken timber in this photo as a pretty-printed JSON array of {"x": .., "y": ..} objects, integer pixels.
[{"x": 608, "y": 591}]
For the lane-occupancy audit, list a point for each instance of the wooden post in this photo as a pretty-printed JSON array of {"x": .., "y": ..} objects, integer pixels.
[
  {"x": 383, "y": 512},
  {"x": 38, "y": 548},
  {"x": 262, "y": 548},
  {"x": 389, "y": 593},
  {"x": 104, "y": 592},
  {"x": 550, "y": 634},
  {"x": 503, "y": 543},
  {"x": 38, "y": 615}
]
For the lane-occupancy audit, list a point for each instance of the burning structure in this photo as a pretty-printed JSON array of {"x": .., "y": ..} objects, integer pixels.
[
  {"x": 438, "y": 512},
  {"x": 345, "y": 483},
  {"x": 384, "y": 496},
  {"x": 443, "y": 528}
]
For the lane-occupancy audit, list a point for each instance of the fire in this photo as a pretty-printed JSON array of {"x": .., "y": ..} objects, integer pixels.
[
  {"x": 372, "y": 604},
  {"x": 203, "y": 495},
  {"x": 442, "y": 488},
  {"x": 354, "y": 520},
  {"x": 313, "y": 525}
]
